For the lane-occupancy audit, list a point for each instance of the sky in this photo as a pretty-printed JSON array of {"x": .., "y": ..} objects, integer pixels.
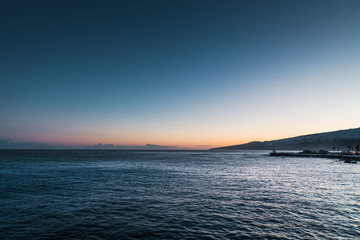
[{"x": 187, "y": 74}]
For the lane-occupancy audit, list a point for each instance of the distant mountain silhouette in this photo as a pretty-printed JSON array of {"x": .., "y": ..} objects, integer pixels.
[{"x": 328, "y": 140}]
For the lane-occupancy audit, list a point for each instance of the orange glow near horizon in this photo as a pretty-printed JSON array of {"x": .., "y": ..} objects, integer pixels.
[{"x": 180, "y": 141}]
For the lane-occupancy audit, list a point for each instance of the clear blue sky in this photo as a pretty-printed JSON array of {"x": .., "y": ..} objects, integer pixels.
[{"x": 181, "y": 73}]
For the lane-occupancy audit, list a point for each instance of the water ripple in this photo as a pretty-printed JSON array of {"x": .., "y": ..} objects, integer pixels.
[{"x": 175, "y": 195}]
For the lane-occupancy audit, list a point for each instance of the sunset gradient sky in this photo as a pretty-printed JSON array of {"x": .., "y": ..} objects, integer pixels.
[{"x": 192, "y": 74}]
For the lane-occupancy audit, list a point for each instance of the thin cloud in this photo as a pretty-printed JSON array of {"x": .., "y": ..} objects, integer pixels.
[
  {"x": 203, "y": 146},
  {"x": 130, "y": 147},
  {"x": 13, "y": 144}
]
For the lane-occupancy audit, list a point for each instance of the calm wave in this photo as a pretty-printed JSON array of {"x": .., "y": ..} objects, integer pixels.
[{"x": 176, "y": 195}]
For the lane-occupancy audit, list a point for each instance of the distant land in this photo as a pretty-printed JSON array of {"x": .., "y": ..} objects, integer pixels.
[{"x": 327, "y": 140}]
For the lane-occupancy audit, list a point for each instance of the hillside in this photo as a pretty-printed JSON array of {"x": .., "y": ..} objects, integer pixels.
[{"x": 338, "y": 139}]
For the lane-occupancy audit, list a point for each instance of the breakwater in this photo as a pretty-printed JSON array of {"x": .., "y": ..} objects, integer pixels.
[{"x": 345, "y": 158}]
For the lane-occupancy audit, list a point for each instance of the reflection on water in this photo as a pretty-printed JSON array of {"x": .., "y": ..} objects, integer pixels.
[{"x": 176, "y": 194}]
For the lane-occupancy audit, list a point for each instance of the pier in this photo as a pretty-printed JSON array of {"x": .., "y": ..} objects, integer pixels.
[{"x": 345, "y": 158}]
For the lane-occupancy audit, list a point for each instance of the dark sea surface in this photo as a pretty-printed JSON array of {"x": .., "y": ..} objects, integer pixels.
[{"x": 88, "y": 194}]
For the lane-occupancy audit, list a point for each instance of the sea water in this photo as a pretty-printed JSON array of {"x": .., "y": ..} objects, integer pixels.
[{"x": 90, "y": 194}]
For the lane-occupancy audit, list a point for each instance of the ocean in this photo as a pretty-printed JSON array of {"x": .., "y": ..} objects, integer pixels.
[{"x": 105, "y": 194}]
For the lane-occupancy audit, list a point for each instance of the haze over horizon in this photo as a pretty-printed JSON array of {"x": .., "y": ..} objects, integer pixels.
[{"x": 186, "y": 74}]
